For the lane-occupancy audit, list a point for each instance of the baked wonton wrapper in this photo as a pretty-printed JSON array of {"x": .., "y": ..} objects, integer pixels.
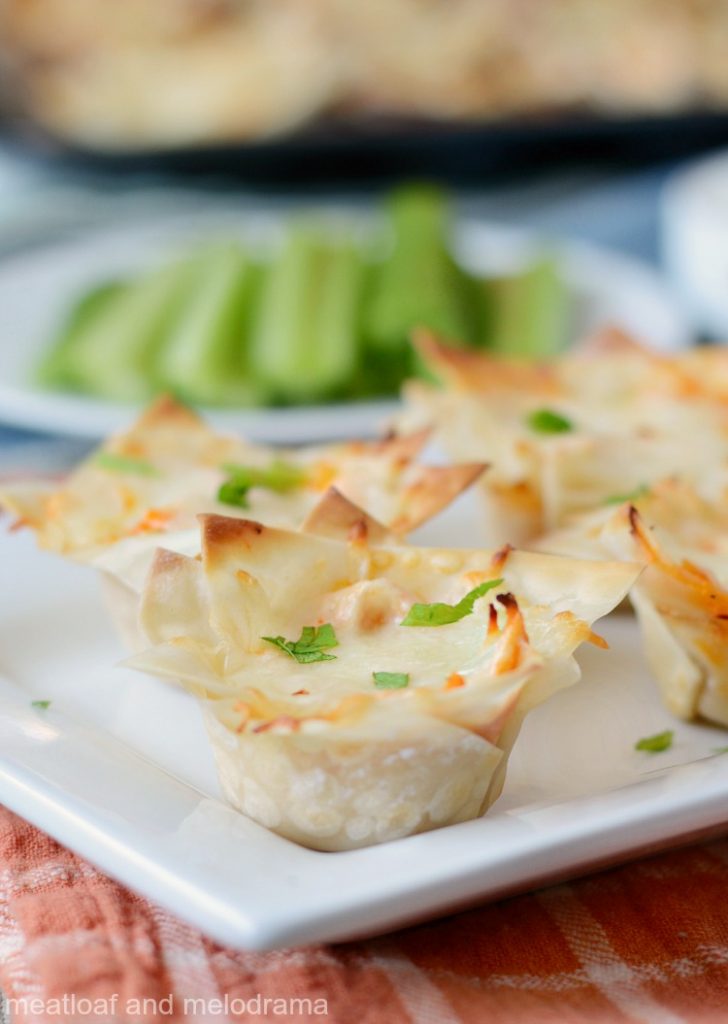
[
  {"x": 631, "y": 417},
  {"x": 681, "y": 598},
  {"x": 151, "y": 482},
  {"x": 316, "y": 751},
  {"x": 159, "y": 475}
]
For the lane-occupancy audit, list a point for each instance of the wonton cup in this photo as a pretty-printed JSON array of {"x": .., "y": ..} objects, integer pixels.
[
  {"x": 155, "y": 478},
  {"x": 316, "y": 751},
  {"x": 630, "y": 417},
  {"x": 151, "y": 482},
  {"x": 681, "y": 598}
]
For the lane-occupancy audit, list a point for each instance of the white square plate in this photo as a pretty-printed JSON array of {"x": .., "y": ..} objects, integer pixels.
[{"x": 119, "y": 769}]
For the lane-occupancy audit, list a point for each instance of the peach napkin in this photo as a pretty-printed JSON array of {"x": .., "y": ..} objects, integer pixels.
[{"x": 647, "y": 942}]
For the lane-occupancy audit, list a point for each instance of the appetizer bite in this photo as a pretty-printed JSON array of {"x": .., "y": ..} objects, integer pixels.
[
  {"x": 154, "y": 480},
  {"x": 359, "y": 691},
  {"x": 681, "y": 598},
  {"x": 564, "y": 436}
]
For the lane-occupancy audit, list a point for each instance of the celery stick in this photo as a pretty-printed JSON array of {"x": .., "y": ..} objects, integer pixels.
[
  {"x": 204, "y": 360},
  {"x": 337, "y": 337},
  {"x": 418, "y": 284},
  {"x": 530, "y": 312},
  {"x": 54, "y": 369},
  {"x": 304, "y": 345},
  {"x": 114, "y": 356}
]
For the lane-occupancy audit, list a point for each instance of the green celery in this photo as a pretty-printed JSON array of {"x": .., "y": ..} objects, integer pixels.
[
  {"x": 304, "y": 345},
  {"x": 55, "y": 370},
  {"x": 528, "y": 313},
  {"x": 204, "y": 359},
  {"x": 114, "y": 356},
  {"x": 418, "y": 284}
]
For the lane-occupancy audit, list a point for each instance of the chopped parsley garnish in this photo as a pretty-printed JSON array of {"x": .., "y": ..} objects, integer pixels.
[
  {"x": 635, "y": 495},
  {"x": 439, "y": 614},
  {"x": 279, "y": 476},
  {"x": 125, "y": 464},
  {"x": 547, "y": 421},
  {"x": 42, "y": 704},
  {"x": 310, "y": 646},
  {"x": 390, "y": 680},
  {"x": 720, "y": 750},
  {"x": 657, "y": 743},
  {"x": 233, "y": 492}
]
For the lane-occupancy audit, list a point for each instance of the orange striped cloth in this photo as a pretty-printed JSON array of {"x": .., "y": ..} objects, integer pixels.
[{"x": 646, "y": 942}]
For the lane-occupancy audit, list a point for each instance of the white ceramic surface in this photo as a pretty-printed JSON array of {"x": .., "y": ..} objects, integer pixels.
[
  {"x": 694, "y": 216},
  {"x": 37, "y": 287},
  {"x": 119, "y": 769}
]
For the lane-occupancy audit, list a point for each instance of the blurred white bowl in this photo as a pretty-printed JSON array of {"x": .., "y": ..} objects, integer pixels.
[{"x": 694, "y": 215}]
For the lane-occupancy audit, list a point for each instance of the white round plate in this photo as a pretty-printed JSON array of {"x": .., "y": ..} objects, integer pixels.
[{"x": 37, "y": 288}]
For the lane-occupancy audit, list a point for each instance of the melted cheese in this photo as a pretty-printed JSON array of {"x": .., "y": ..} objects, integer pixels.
[
  {"x": 182, "y": 466},
  {"x": 637, "y": 417},
  {"x": 429, "y": 741},
  {"x": 681, "y": 598}
]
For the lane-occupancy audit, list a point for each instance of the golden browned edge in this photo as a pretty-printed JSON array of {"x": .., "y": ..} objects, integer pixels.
[
  {"x": 476, "y": 371},
  {"x": 166, "y": 409},
  {"x": 704, "y": 591},
  {"x": 699, "y": 598},
  {"x": 613, "y": 339},
  {"x": 434, "y": 489},
  {"x": 221, "y": 533},
  {"x": 398, "y": 447},
  {"x": 340, "y": 519},
  {"x": 165, "y": 561}
]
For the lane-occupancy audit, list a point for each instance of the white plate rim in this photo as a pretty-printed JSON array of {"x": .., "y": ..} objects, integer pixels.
[{"x": 668, "y": 807}]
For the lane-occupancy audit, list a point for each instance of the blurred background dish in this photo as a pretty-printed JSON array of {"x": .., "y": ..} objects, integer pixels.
[
  {"x": 139, "y": 76},
  {"x": 694, "y": 215},
  {"x": 538, "y": 105},
  {"x": 582, "y": 286}
]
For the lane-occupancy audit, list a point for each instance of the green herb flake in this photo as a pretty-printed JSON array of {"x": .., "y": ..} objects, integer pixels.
[
  {"x": 42, "y": 704},
  {"x": 656, "y": 744},
  {"x": 279, "y": 476},
  {"x": 547, "y": 421},
  {"x": 234, "y": 492},
  {"x": 310, "y": 646},
  {"x": 390, "y": 680},
  {"x": 443, "y": 614},
  {"x": 635, "y": 495},
  {"x": 125, "y": 464},
  {"x": 720, "y": 750}
]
